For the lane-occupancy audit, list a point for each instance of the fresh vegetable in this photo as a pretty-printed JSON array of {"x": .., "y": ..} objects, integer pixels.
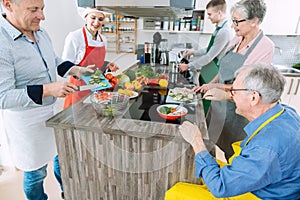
[
  {"x": 181, "y": 94},
  {"x": 131, "y": 74},
  {"x": 114, "y": 80},
  {"x": 163, "y": 83},
  {"x": 127, "y": 92},
  {"x": 123, "y": 78},
  {"x": 147, "y": 71},
  {"x": 96, "y": 77},
  {"x": 103, "y": 96},
  {"x": 165, "y": 110},
  {"x": 109, "y": 76}
]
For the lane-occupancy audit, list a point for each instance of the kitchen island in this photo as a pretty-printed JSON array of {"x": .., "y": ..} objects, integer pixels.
[{"x": 121, "y": 157}]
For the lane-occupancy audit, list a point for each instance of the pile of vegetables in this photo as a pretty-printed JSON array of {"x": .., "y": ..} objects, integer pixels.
[
  {"x": 97, "y": 78},
  {"x": 182, "y": 94},
  {"x": 167, "y": 110}
]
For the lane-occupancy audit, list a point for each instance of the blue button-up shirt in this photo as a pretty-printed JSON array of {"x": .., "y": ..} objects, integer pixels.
[
  {"x": 25, "y": 66},
  {"x": 268, "y": 167}
]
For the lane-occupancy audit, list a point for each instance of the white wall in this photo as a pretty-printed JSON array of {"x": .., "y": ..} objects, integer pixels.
[{"x": 61, "y": 18}]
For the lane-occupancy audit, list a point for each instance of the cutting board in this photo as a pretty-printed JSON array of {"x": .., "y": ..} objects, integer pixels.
[{"x": 86, "y": 79}]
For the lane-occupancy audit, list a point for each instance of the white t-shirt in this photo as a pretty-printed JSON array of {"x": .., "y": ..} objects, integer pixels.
[{"x": 74, "y": 48}]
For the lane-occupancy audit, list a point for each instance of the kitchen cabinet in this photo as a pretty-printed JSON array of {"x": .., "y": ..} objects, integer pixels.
[
  {"x": 291, "y": 93},
  {"x": 120, "y": 34}
]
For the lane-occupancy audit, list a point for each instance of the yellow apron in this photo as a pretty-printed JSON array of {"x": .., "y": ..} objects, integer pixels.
[{"x": 188, "y": 191}]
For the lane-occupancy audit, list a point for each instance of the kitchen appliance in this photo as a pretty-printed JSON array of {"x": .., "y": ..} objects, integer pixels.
[
  {"x": 158, "y": 8},
  {"x": 149, "y": 52},
  {"x": 163, "y": 52},
  {"x": 156, "y": 42}
]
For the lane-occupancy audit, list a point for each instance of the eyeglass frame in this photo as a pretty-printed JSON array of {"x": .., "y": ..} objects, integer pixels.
[
  {"x": 231, "y": 90},
  {"x": 236, "y": 22}
]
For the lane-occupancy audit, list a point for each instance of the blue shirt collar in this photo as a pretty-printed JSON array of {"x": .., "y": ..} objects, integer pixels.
[{"x": 253, "y": 125}]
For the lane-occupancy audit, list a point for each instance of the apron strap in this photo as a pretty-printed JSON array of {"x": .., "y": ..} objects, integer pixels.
[{"x": 212, "y": 40}]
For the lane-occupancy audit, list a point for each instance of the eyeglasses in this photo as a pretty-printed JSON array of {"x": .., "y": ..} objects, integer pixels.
[
  {"x": 232, "y": 90},
  {"x": 236, "y": 22}
]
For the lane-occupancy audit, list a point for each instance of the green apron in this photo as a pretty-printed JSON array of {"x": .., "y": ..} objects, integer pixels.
[{"x": 209, "y": 71}]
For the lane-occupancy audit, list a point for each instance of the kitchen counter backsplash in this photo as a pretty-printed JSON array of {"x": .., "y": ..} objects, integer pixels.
[{"x": 287, "y": 49}]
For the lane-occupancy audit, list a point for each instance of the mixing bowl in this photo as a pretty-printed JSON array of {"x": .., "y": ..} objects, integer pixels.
[{"x": 109, "y": 103}]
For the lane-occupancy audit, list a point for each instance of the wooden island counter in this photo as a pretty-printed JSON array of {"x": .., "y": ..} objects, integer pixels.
[{"x": 121, "y": 158}]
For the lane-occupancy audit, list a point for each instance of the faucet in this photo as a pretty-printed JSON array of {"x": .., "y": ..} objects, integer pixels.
[
  {"x": 297, "y": 26},
  {"x": 279, "y": 49}
]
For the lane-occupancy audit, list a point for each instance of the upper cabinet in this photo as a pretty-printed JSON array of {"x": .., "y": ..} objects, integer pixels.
[{"x": 282, "y": 17}]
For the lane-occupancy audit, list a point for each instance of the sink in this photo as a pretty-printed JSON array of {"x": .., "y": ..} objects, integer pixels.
[
  {"x": 286, "y": 70},
  {"x": 289, "y": 71}
]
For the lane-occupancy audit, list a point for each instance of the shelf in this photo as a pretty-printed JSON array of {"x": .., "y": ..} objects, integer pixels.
[
  {"x": 122, "y": 30},
  {"x": 126, "y": 22},
  {"x": 174, "y": 32},
  {"x": 127, "y": 42}
]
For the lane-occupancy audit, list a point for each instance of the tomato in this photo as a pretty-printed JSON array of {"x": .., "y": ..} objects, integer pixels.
[
  {"x": 109, "y": 76},
  {"x": 112, "y": 85},
  {"x": 114, "y": 80}
]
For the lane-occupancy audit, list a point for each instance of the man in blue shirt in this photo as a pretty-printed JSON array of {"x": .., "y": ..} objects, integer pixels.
[{"x": 264, "y": 165}]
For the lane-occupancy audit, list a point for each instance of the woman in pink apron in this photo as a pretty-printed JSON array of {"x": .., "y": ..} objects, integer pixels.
[{"x": 86, "y": 46}]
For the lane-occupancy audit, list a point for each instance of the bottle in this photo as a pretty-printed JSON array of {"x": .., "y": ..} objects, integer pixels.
[
  {"x": 171, "y": 26},
  {"x": 142, "y": 59},
  {"x": 182, "y": 25},
  {"x": 198, "y": 23},
  {"x": 188, "y": 25},
  {"x": 194, "y": 25},
  {"x": 176, "y": 25}
]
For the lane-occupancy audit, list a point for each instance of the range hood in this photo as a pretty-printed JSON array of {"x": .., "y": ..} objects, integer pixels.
[{"x": 148, "y": 8}]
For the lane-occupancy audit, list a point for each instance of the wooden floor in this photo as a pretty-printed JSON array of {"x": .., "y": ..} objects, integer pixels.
[{"x": 11, "y": 187}]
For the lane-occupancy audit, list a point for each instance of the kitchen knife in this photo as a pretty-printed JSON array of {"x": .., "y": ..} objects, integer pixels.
[{"x": 88, "y": 87}]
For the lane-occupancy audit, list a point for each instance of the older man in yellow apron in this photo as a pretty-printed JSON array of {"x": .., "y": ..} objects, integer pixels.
[{"x": 263, "y": 166}]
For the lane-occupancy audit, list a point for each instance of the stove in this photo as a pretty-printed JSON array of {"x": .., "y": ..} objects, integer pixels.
[{"x": 144, "y": 107}]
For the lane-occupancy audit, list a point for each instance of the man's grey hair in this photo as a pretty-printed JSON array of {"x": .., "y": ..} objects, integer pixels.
[
  {"x": 264, "y": 79},
  {"x": 250, "y": 9}
]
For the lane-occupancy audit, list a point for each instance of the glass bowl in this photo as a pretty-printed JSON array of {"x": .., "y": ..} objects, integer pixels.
[{"x": 109, "y": 103}]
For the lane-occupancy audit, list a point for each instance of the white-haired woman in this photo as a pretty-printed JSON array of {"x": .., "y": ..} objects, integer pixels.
[{"x": 250, "y": 46}]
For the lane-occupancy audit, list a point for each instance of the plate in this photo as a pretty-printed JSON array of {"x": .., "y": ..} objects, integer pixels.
[
  {"x": 184, "y": 94},
  {"x": 170, "y": 116},
  {"x": 135, "y": 94},
  {"x": 86, "y": 79}
]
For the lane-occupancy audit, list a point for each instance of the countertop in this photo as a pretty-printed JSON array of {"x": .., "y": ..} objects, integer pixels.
[{"x": 121, "y": 158}]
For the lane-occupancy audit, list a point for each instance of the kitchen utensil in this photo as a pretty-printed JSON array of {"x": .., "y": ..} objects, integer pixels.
[
  {"x": 102, "y": 85},
  {"x": 89, "y": 87},
  {"x": 179, "y": 106}
]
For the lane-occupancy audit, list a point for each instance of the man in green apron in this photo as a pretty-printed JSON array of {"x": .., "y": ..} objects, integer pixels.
[
  {"x": 264, "y": 165},
  {"x": 207, "y": 63}
]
